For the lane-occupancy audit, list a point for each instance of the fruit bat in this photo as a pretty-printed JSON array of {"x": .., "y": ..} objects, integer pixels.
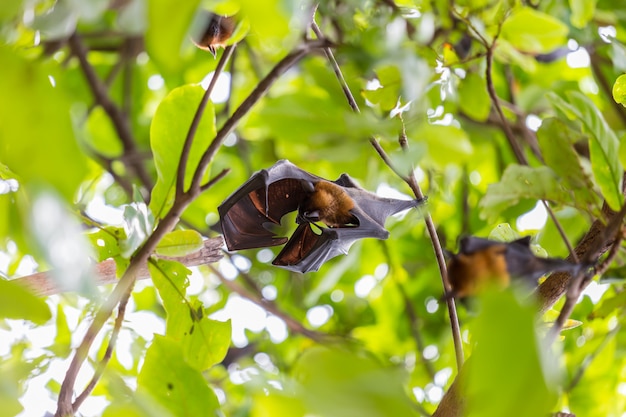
[
  {"x": 217, "y": 31},
  {"x": 331, "y": 215},
  {"x": 481, "y": 262}
]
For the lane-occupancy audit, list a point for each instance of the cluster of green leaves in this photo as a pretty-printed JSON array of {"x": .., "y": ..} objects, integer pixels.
[{"x": 419, "y": 66}]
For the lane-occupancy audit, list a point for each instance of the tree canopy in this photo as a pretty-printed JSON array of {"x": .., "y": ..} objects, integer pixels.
[{"x": 119, "y": 139}]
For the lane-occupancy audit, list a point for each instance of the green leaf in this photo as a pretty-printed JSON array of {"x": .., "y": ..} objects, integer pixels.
[
  {"x": 204, "y": 342},
  {"x": 619, "y": 90},
  {"x": 36, "y": 137},
  {"x": 138, "y": 225},
  {"x": 522, "y": 182},
  {"x": 446, "y": 144},
  {"x": 603, "y": 143},
  {"x": 609, "y": 305},
  {"x": 556, "y": 141},
  {"x": 343, "y": 383},
  {"x": 179, "y": 243},
  {"x": 582, "y": 12},
  {"x": 173, "y": 383},
  {"x": 170, "y": 278},
  {"x": 473, "y": 97},
  {"x": 63, "y": 340},
  {"x": 102, "y": 136},
  {"x": 506, "y": 345},
  {"x": 16, "y": 302},
  {"x": 534, "y": 32},
  {"x": 388, "y": 94},
  {"x": 106, "y": 242},
  {"x": 168, "y": 23},
  {"x": 167, "y": 134}
]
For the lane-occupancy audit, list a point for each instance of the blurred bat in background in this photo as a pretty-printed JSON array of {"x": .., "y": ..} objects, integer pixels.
[
  {"x": 214, "y": 34},
  {"x": 483, "y": 262},
  {"x": 331, "y": 216}
]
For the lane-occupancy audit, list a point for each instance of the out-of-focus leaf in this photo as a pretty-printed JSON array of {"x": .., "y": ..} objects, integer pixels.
[
  {"x": 619, "y": 90},
  {"x": 361, "y": 386},
  {"x": 102, "y": 135},
  {"x": 106, "y": 242},
  {"x": 388, "y": 94},
  {"x": 138, "y": 225},
  {"x": 556, "y": 141},
  {"x": 446, "y": 144},
  {"x": 473, "y": 97},
  {"x": 63, "y": 340},
  {"x": 532, "y": 31},
  {"x": 204, "y": 342},
  {"x": 60, "y": 241},
  {"x": 167, "y": 135},
  {"x": 582, "y": 12},
  {"x": 36, "y": 137},
  {"x": 168, "y": 23},
  {"x": 603, "y": 143},
  {"x": 504, "y": 233},
  {"x": 507, "y": 345},
  {"x": 522, "y": 182},
  {"x": 173, "y": 383},
  {"x": 179, "y": 243},
  {"x": 609, "y": 306},
  {"x": 18, "y": 303}
]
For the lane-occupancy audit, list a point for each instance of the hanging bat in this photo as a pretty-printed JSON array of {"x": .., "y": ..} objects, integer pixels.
[
  {"x": 217, "y": 31},
  {"x": 331, "y": 216},
  {"x": 481, "y": 262}
]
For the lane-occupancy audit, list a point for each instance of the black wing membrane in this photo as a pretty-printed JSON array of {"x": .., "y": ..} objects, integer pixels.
[
  {"x": 522, "y": 263},
  {"x": 265, "y": 198},
  {"x": 307, "y": 250},
  {"x": 270, "y": 194}
]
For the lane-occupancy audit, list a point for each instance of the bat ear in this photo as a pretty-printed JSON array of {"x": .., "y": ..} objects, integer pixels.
[
  {"x": 523, "y": 241},
  {"x": 346, "y": 181}
]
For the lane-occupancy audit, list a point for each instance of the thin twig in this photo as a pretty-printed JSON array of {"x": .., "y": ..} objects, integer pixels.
[
  {"x": 43, "y": 284},
  {"x": 120, "y": 122},
  {"x": 167, "y": 223},
  {"x": 441, "y": 261},
  {"x": 256, "y": 94},
  {"x": 195, "y": 122},
  {"x": 338, "y": 73},
  {"x": 415, "y": 332},
  {"x": 588, "y": 359},
  {"x": 215, "y": 179},
  {"x": 411, "y": 180},
  {"x": 293, "y": 324},
  {"x": 121, "y": 312},
  {"x": 515, "y": 146},
  {"x": 582, "y": 280}
]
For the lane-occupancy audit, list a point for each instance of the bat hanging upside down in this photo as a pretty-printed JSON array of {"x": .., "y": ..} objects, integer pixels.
[
  {"x": 482, "y": 262},
  {"x": 217, "y": 30},
  {"x": 331, "y": 216}
]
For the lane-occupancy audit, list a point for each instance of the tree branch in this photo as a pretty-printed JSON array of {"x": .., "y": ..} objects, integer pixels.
[
  {"x": 117, "y": 117},
  {"x": 42, "y": 283},
  {"x": 293, "y": 324},
  {"x": 169, "y": 221},
  {"x": 191, "y": 133}
]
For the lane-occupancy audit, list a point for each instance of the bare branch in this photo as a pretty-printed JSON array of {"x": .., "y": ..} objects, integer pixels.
[
  {"x": 191, "y": 133},
  {"x": 43, "y": 284},
  {"x": 120, "y": 122}
]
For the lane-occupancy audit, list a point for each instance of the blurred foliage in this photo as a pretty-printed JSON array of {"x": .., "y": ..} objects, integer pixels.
[{"x": 378, "y": 340}]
